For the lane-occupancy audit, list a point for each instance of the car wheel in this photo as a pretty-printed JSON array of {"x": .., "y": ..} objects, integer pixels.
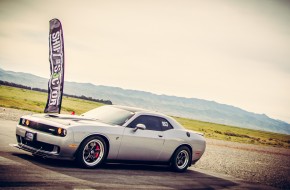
[
  {"x": 181, "y": 159},
  {"x": 92, "y": 152}
]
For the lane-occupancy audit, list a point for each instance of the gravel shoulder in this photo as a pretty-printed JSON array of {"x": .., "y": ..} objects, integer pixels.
[
  {"x": 12, "y": 114},
  {"x": 252, "y": 163}
]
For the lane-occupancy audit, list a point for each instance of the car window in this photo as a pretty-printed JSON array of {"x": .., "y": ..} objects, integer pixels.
[{"x": 151, "y": 123}]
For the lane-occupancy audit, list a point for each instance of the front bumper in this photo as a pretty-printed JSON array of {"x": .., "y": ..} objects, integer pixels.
[
  {"x": 35, "y": 151},
  {"x": 45, "y": 145}
]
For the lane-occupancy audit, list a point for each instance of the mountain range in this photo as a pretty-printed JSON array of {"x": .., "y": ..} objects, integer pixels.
[{"x": 193, "y": 108}]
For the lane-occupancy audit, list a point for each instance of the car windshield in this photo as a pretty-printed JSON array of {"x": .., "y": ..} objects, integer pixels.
[{"x": 110, "y": 115}]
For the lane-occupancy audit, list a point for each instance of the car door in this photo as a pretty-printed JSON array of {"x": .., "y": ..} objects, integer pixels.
[{"x": 143, "y": 145}]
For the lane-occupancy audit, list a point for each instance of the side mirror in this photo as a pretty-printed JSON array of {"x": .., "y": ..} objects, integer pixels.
[{"x": 140, "y": 126}]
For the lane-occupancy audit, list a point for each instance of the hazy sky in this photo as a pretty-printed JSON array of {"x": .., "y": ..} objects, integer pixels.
[{"x": 232, "y": 52}]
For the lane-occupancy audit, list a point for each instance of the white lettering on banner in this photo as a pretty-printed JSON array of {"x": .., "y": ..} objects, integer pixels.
[
  {"x": 55, "y": 82},
  {"x": 56, "y": 42},
  {"x": 57, "y": 68},
  {"x": 57, "y": 60},
  {"x": 53, "y": 98},
  {"x": 54, "y": 94},
  {"x": 52, "y": 102},
  {"x": 55, "y": 36}
]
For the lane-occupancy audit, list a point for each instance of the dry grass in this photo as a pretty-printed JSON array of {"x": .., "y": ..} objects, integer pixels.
[
  {"x": 35, "y": 101},
  {"x": 236, "y": 134}
]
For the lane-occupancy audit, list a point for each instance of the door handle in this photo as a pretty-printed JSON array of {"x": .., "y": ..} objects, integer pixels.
[{"x": 160, "y": 136}]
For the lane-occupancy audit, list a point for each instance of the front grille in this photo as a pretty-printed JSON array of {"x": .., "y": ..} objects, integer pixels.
[{"x": 36, "y": 144}]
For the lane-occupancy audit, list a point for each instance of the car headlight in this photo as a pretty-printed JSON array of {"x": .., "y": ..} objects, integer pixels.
[
  {"x": 24, "y": 122},
  {"x": 61, "y": 132}
]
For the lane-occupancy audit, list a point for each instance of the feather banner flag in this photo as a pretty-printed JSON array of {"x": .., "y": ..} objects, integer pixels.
[{"x": 56, "y": 59}]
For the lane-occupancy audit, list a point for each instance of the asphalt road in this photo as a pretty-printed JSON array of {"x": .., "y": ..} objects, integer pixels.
[{"x": 20, "y": 170}]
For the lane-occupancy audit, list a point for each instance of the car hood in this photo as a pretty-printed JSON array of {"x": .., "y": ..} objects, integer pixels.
[{"x": 64, "y": 120}]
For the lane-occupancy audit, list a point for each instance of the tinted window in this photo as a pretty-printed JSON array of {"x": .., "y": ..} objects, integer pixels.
[{"x": 151, "y": 123}]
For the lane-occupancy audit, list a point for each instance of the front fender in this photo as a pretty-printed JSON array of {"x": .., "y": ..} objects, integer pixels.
[{"x": 112, "y": 134}]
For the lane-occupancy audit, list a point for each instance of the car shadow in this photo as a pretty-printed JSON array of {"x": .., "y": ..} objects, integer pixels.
[{"x": 130, "y": 175}]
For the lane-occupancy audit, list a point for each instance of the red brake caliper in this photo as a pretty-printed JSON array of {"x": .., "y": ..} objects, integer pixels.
[{"x": 97, "y": 151}]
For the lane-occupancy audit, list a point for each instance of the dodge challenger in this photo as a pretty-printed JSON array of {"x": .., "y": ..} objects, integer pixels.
[{"x": 111, "y": 133}]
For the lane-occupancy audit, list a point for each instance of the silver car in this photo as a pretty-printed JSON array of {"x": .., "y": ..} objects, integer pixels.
[{"x": 111, "y": 133}]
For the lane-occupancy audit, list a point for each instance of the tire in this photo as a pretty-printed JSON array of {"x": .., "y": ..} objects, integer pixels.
[
  {"x": 92, "y": 152},
  {"x": 181, "y": 159}
]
